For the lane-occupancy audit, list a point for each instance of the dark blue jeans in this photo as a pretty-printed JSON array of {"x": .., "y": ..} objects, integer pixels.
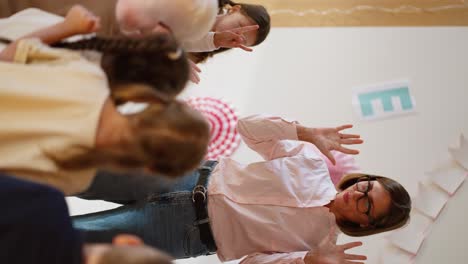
[{"x": 159, "y": 211}]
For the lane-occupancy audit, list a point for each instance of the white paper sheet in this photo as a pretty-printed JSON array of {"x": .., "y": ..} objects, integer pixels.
[
  {"x": 383, "y": 101},
  {"x": 394, "y": 255},
  {"x": 410, "y": 237},
  {"x": 430, "y": 200},
  {"x": 461, "y": 154},
  {"x": 449, "y": 176}
]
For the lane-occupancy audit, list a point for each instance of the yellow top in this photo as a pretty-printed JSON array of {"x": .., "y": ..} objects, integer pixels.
[{"x": 49, "y": 105}]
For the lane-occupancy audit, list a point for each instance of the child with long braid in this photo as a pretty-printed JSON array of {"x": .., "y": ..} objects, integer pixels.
[
  {"x": 193, "y": 22},
  {"x": 188, "y": 19},
  {"x": 59, "y": 114}
]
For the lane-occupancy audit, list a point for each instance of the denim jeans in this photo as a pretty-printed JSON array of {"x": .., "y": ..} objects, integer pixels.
[
  {"x": 162, "y": 214},
  {"x": 131, "y": 187}
]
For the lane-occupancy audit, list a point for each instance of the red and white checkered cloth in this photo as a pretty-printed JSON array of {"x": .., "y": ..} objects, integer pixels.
[{"x": 223, "y": 120}]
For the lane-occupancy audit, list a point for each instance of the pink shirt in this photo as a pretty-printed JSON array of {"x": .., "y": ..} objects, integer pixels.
[{"x": 271, "y": 210}]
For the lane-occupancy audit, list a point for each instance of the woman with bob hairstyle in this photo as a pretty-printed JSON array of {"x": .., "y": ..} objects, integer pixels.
[
  {"x": 284, "y": 209},
  {"x": 400, "y": 206}
]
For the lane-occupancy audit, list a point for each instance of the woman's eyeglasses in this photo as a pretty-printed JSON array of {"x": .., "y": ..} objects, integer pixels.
[{"x": 364, "y": 204}]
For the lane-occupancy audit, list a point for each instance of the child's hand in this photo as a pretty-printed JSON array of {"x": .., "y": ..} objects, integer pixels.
[
  {"x": 79, "y": 20},
  {"x": 233, "y": 38}
]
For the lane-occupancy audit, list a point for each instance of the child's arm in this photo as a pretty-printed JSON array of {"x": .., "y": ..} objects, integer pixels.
[{"x": 78, "y": 21}]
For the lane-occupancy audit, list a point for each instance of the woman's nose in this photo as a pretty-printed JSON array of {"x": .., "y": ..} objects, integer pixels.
[{"x": 357, "y": 194}]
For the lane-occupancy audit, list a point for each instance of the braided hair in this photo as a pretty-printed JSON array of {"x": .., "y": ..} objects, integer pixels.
[
  {"x": 156, "y": 61},
  {"x": 222, "y": 3},
  {"x": 169, "y": 137}
]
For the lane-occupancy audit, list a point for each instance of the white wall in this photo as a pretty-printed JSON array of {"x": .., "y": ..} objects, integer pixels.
[{"x": 308, "y": 74}]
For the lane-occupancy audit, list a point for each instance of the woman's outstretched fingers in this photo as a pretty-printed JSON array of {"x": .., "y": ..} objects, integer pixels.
[
  {"x": 346, "y": 136},
  {"x": 348, "y": 151},
  {"x": 350, "y": 245},
  {"x": 351, "y": 141},
  {"x": 351, "y": 257},
  {"x": 343, "y": 127},
  {"x": 355, "y": 257}
]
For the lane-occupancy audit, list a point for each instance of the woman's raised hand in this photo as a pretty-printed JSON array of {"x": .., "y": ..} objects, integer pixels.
[
  {"x": 330, "y": 253},
  {"x": 328, "y": 139},
  {"x": 80, "y": 20},
  {"x": 233, "y": 38}
]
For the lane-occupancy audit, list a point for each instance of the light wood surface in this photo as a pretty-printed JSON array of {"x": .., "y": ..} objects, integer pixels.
[{"x": 315, "y": 13}]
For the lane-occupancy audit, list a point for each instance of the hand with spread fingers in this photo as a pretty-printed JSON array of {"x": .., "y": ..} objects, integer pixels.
[
  {"x": 328, "y": 252},
  {"x": 233, "y": 38},
  {"x": 328, "y": 139},
  {"x": 81, "y": 21}
]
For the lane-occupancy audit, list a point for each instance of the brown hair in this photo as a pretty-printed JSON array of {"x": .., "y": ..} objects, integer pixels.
[
  {"x": 133, "y": 255},
  {"x": 222, "y": 3},
  {"x": 169, "y": 139},
  {"x": 156, "y": 61},
  {"x": 398, "y": 215},
  {"x": 257, "y": 13}
]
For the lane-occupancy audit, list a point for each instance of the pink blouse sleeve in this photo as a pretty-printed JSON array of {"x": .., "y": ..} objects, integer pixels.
[
  {"x": 268, "y": 135},
  {"x": 277, "y": 258}
]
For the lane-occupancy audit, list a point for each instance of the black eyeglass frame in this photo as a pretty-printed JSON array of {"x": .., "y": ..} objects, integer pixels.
[{"x": 369, "y": 205}]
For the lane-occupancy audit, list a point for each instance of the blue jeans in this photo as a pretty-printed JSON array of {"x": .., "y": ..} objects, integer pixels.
[
  {"x": 162, "y": 214},
  {"x": 131, "y": 187}
]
